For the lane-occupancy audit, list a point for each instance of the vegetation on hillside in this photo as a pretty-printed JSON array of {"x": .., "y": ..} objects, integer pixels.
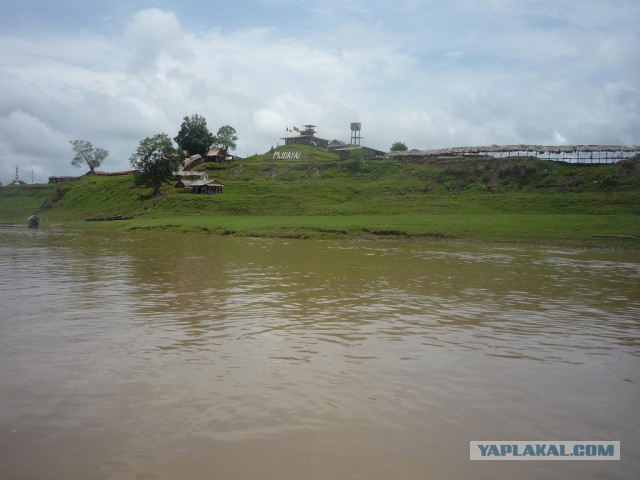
[
  {"x": 155, "y": 160},
  {"x": 17, "y": 202},
  {"x": 319, "y": 196},
  {"x": 398, "y": 147},
  {"x": 85, "y": 154},
  {"x": 194, "y": 135}
]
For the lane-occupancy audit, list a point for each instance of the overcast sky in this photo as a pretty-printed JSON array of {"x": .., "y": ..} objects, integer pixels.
[{"x": 430, "y": 73}]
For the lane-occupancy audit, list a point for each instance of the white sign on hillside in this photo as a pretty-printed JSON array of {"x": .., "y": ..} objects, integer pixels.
[{"x": 287, "y": 155}]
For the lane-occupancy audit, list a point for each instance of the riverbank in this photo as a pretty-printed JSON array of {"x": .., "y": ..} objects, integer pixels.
[
  {"x": 319, "y": 196},
  {"x": 583, "y": 231}
]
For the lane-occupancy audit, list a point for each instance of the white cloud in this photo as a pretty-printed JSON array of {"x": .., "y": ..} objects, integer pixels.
[
  {"x": 154, "y": 37},
  {"x": 425, "y": 73},
  {"x": 29, "y": 142}
]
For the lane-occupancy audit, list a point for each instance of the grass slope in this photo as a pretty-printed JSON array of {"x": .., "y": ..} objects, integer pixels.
[
  {"x": 320, "y": 196},
  {"x": 18, "y": 202}
]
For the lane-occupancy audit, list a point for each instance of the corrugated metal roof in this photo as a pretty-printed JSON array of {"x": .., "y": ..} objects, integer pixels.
[
  {"x": 201, "y": 183},
  {"x": 518, "y": 148}
]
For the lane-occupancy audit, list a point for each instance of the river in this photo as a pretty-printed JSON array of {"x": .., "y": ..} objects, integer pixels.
[{"x": 182, "y": 356}]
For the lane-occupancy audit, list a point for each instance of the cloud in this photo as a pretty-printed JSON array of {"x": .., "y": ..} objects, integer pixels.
[
  {"x": 26, "y": 140},
  {"x": 154, "y": 36},
  {"x": 425, "y": 73}
]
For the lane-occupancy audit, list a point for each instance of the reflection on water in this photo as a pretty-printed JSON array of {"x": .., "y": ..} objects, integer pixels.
[{"x": 185, "y": 356}]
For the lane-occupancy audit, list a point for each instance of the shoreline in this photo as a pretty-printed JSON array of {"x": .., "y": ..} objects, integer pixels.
[
  {"x": 499, "y": 229},
  {"x": 516, "y": 201}
]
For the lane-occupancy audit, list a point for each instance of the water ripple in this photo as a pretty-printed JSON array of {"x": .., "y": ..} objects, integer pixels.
[{"x": 139, "y": 344}]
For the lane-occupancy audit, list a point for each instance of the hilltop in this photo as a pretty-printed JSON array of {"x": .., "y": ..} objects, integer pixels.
[{"x": 301, "y": 191}]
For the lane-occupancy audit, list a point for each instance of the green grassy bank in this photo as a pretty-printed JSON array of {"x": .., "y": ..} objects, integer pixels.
[
  {"x": 320, "y": 196},
  {"x": 17, "y": 202}
]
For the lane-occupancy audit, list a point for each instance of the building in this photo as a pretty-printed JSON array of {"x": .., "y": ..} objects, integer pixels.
[
  {"x": 116, "y": 174},
  {"x": 342, "y": 149},
  {"x": 197, "y": 182},
  {"x": 205, "y": 186},
  {"x": 306, "y": 137},
  {"x": 62, "y": 179},
  {"x": 559, "y": 153},
  {"x": 192, "y": 162},
  {"x": 219, "y": 155}
]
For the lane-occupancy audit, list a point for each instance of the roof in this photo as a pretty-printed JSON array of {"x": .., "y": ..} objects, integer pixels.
[
  {"x": 192, "y": 161},
  {"x": 214, "y": 152},
  {"x": 346, "y": 147},
  {"x": 520, "y": 148},
  {"x": 201, "y": 183},
  {"x": 122, "y": 172},
  {"x": 184, "y": 173},
  {"x": 349, "y": 147}
]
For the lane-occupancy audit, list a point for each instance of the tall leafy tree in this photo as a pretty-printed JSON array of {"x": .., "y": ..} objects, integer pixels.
[
  {"x": 86, "y": 154},
  {"x": 194, "y": 136},
  {"x": 226, "y": 137},
  {"x": 399, "y": 147},
  {"x": 155, "y": 159}
]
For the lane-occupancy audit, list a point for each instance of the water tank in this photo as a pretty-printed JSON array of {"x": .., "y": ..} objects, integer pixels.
[{"x": 355, "y": 127}]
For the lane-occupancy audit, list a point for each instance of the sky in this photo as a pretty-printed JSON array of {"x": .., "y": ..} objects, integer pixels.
[{"x": 429, "y": 73}]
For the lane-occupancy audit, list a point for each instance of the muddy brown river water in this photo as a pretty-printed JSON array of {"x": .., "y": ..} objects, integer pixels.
[{"x": 165, "y": 356}]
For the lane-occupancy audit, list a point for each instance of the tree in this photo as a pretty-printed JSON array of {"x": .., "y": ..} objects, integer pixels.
[
  {"x": 226, "y": 137},
  {"x": 85, "y": 153},
  {"x": 156, "y": 159},
  {"x": 194, "y": 136},
  {"x": 399, "y": 147}
]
